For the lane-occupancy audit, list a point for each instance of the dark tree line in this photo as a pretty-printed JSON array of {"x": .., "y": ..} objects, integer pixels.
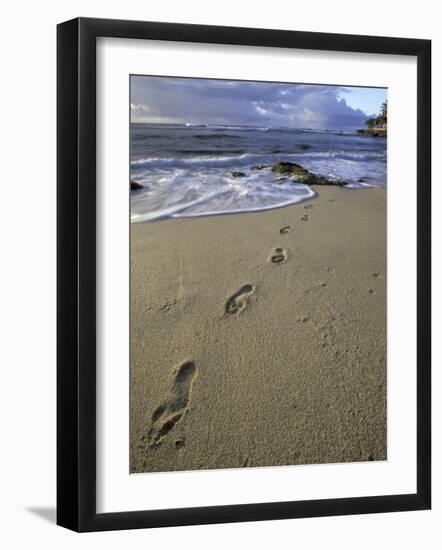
[{"x": 381, "y": 119}]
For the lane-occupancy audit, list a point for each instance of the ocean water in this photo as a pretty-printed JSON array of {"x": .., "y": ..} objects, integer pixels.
[{"x": 186, "y": 170}]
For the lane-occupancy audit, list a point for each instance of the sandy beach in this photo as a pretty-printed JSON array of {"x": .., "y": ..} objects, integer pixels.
[{"x": 259, "y": 339}]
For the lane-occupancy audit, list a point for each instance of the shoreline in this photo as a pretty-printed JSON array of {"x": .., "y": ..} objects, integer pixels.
[
  {"x": 260, "y": 340},
  {"x": 286, "y": 183},
  {"x": 372, "y": 132}
]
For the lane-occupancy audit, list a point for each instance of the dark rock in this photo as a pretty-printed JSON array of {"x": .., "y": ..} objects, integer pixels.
[
  {"x": 262, "y": 167},
  {"x": 301, "y": 175},
  {"x": 311, "y": 179},
  {"x": 339, "y": 182},
  {"x": 289, "y": 168},
  {"x": 237, "y": 174},
  {"x": 134, "y": 186}
]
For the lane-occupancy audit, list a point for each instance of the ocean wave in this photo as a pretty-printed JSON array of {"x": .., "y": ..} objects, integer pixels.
[
  {"x": 180, "y": 195},
  {"x": 215, "y": 136},
  {"x": 187, "y": 175},
  {"x": 227, "y": 127},
  {"x": 221, "y": 127},
  {"x": 347, "y": 155},
  {"x": 211, "y": 152},
  {"x": 209, "y": 158},
  {"x": 173, "y": 211},
  {"x": 212, "y": 160},
  {"x": 187, "y": 210}
]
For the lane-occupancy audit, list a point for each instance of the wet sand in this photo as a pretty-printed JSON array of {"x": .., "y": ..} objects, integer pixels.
[{"x": 260, "y": 339}]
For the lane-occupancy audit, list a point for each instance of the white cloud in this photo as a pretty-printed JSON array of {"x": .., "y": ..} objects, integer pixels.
[{"x": 202, "y": 101}]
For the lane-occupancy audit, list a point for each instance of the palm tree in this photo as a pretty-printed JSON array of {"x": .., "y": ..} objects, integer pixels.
[
  {"x": 370, "y": 122},
  {"x": 382, "y": 117},
  {"x": 377, "y": 125}
]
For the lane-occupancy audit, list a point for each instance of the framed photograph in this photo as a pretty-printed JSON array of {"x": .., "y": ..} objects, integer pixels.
[{"x": 243, "y": 316}]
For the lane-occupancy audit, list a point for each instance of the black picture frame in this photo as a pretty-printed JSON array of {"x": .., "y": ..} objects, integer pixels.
[{"x": 77, "y": 287}]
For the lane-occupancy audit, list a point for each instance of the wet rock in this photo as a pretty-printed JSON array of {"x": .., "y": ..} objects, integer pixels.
[
  {"x": 237, "y": 174},
  {"x": 301, "y": 175},
  {"x": 289, "y": 168},
  {"x": 262, "y": 167},
  {"x": 298, "y": 173}
]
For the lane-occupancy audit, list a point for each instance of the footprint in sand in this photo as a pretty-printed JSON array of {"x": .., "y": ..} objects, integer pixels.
[
  {"x": 286, "y": 229},
  {"x": 308, "y": 206},
  {"x": 172, "y": 409},
  {"x": 279, "y": 256},
  {"x": 238, "y": 301},
  {"x": 305, "y": 218}
]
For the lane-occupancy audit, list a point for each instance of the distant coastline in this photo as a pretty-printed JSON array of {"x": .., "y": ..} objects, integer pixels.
[
  {"x": 376, "y": 126},
  {"x": 373, "y": 132}
]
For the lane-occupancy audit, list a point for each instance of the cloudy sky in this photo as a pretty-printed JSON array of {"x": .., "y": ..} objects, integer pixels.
[{"x": 201, "y": 101}]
